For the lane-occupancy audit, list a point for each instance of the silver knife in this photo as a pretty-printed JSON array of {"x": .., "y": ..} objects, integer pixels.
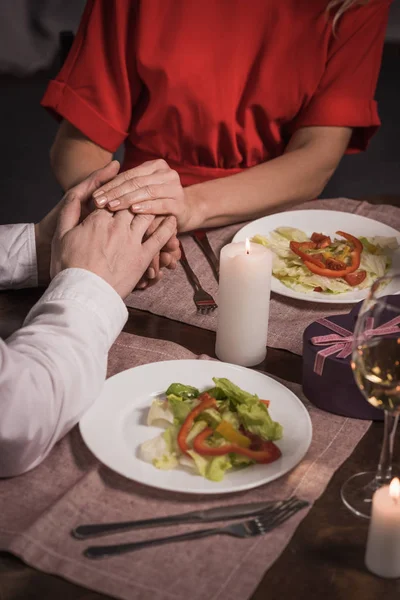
[
  {"x": 223, "y": 513},
  {"x": 201, "y": 238}
]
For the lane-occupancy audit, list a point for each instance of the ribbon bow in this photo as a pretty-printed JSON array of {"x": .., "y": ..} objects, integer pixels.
[{"x": 341, "y": 341}]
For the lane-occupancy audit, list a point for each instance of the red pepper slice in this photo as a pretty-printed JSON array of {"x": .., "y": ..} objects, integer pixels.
[
  {"x": 318, "y": 289},
  {"x": 325, "y": 272},
  {"x": 298, "y": 247},
  {"x": 266, "y": 402},
  {"x": 356, "y": 278},
  {"x": 206, "y": 401},
  {"x": 267, "y": 453},
  {"x": 350, "y": 238},
  {"x": 332, "y": 268}
]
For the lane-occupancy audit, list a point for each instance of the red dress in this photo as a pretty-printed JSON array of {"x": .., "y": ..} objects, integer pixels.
[{"x": 216, "y": 86}]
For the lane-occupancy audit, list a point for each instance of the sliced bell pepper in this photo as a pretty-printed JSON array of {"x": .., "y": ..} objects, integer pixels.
[
  {"x": 266, "y": 402},
  {"x": 206, "y": 401},
  {"x": 325, "y": 272},
  {"x": 353, "y": 240},
  {"x": 267, "y": 453},
  {"x": 332, "y": 267},
  {"x": 232, "y": 435}
]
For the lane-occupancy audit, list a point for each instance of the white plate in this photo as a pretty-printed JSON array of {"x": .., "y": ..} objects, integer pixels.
[
  {"x": 328, "y": 222},
  {"x": 115, "y": 426}
]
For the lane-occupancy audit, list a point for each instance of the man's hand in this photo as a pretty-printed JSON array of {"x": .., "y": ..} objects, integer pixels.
[
  {"x": 82, "y": 193},
  {"x": 111, "y": 246}
]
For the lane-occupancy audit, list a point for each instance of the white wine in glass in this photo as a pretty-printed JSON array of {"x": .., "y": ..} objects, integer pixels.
[{"x": 376, "y": 367}]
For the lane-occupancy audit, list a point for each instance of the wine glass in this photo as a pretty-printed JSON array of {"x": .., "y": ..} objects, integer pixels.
[{"x": 376, "y": 367}]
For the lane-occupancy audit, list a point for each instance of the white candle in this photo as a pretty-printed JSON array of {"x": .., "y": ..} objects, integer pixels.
[
  {"x": 243, "y": 303},
  {"x": 383, "y": 547}
]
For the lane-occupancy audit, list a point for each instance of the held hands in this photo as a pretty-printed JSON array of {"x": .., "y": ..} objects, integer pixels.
[
  {"x": 81, "y": 196},
  {"x": 108, "y": 245}
]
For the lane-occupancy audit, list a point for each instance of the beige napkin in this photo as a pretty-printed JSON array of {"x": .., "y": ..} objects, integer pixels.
[
  {"x": 39, "y": 509},
  {"x": 172, "y": 297}
]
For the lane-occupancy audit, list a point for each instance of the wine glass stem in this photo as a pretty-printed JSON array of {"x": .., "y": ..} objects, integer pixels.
[{"x": 384, "y": 471}]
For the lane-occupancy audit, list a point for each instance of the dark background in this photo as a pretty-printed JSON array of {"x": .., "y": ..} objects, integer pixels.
[{"x": 30, "y": 56}]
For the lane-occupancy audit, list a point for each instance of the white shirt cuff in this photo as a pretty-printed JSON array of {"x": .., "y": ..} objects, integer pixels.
[
  {"x": 88, "y": 290},
  {"x": 18, "y": 265}
]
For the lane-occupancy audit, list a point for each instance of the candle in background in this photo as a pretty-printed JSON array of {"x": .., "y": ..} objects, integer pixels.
[
  {"x": 243, "y": 303},
  {"x": 383, "y": 547}
]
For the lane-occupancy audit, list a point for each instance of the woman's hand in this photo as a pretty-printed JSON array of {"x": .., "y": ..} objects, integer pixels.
[
  {"x": 167, "y": 258},
  {"x": 151, "y": 188}
]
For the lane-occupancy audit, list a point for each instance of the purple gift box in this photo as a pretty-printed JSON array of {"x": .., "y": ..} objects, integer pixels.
[{"x": 329, "y": 383}]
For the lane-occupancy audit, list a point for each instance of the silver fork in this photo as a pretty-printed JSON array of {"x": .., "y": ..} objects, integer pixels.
[
  {"x": 263, "y": 523},
  {"x": 204, "y": 302}
]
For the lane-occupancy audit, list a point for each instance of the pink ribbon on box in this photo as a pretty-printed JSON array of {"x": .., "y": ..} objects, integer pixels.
[{"x": 341, "y": 341}]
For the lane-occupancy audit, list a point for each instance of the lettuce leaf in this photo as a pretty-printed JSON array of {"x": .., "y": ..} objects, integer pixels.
[
  {"x": 253, "y": 415},
  {"x": 157, "y": 452},
  {"x": 184, "y": 391},
  {"x": 160, "y": 414},
  {"x": 217, "y": 467},
  {"x": 256, "y": 419},
  {"x": 180, "y": 408}
]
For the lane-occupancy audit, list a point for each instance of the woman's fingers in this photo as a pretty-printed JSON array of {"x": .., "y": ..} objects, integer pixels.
[
  {"x": 147, "y": 168},
  {"x": 148, "y": 182},
  {"x": 148, "y": 193},
  {"x": 161, "y": 235},
  {"x": 154, "y": 268}
]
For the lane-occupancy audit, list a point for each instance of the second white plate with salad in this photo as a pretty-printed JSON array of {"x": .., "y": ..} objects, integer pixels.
[
  {"x": 116, "y": 427},
  {"x": 380, "y": 253}
]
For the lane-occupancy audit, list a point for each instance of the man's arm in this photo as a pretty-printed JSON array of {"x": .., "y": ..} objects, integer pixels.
[
  {"x": 53, "y": 368},
  {"x": 73, "y": 156},
  {"x": 300, "y": 174}
]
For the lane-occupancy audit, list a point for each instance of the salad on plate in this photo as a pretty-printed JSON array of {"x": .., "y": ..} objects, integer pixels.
[
  {"x": 212, "y": 431},
  {"x": 325, "y": 264}
]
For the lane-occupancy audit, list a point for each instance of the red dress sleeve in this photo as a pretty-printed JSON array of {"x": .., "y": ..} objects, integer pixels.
[
  {"x": 98, "y": 83},
  {"x": 345, "y": 95}
]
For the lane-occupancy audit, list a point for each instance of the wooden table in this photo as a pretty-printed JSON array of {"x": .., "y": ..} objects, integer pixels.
[{"x": 325, "y": 558}]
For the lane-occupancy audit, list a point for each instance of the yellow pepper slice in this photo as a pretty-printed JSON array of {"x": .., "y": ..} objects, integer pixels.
[{"x": 229, "y": 433}]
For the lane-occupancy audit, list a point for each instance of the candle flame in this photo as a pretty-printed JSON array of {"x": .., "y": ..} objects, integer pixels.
[
  {"x": 394, "y": 489},
  {"x": 247, "y": 246}
]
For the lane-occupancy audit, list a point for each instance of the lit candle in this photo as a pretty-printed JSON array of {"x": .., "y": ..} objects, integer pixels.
[
  {"x": 383, "y": 547},
  {"x": 243, "y": 303}
]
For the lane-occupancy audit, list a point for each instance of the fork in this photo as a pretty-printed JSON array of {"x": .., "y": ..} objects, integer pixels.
[
  {"x": 204, "y": 302},
  {"x": 263, "y": 523},
  {"x": 200, "y": 236}
]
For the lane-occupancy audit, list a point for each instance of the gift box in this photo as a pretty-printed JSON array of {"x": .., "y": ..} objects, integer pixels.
[{"x": 328, "y": 380}]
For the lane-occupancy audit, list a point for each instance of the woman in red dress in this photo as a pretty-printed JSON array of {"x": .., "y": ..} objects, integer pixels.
[{"x": 228, "y": 109}]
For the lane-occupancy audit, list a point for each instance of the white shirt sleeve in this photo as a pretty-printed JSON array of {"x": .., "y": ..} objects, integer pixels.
[
  {"x": 18, "y": 266},
  {"x": 53, "y": 368}
]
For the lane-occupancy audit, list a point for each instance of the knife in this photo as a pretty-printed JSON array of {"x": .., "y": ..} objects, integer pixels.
[
  {"x": 200, "y": 236},
  {"x": 223, "y": 513}
]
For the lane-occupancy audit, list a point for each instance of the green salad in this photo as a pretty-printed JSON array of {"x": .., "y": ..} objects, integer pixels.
[
  {"x": 212, "y": 431},
  {"x": 327, "y": 265}
]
